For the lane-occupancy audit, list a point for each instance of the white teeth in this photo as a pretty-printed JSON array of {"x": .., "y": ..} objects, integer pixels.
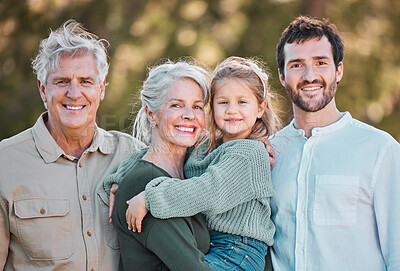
[
  {"x": 73, "y": 107},
  {"x": 185, "y": 129},
  {"x": 313, "y": 88}
]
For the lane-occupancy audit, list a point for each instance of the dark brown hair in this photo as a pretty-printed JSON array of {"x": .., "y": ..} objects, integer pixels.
[{"x": 304, "y": 28}]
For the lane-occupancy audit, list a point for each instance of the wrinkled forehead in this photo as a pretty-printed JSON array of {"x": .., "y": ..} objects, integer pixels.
[{"x": 81, "y": 61}]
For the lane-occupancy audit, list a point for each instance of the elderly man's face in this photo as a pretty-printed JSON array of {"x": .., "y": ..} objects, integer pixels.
[{"x": 73, "y": 93}]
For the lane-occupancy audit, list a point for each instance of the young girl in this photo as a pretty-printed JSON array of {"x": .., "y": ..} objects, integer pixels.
[{"x": 229, "y": 175}]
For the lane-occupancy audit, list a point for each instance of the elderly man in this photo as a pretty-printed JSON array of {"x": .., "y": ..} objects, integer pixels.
[
  {"x": 53, "y": 209},
  {"x": 337, "y": 180}
]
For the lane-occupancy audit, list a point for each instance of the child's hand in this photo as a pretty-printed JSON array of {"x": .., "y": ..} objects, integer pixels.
[
  {"x": 136, "y": 212},
  {"x": 113, "y": 192}
]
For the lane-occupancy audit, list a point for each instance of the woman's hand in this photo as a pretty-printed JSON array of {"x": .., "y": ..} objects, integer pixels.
[
  {"x": 136, "y": 212},
  {"x": 111, "y": 199}
]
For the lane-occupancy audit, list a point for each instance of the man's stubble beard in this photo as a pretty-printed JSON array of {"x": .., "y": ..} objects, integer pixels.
[{"x": 327, "y": 96}]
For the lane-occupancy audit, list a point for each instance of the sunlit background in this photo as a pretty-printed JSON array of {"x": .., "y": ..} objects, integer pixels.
[{"x": 143, "y": 32}]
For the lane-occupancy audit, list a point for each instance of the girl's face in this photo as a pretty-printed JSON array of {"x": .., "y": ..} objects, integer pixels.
[
  {"x": 236, "y": 109},
  {"x": 180, "y": 120}
]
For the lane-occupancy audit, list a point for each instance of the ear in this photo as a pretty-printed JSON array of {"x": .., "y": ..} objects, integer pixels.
[
  {"x": 261, "y": 109},
  {"x": 339, "y": 72},
  {"x": 102, "y": 90},
  {"x": 281, "y": 78},
  {"x": 42, "y": 91},
  {"x": 150, "y": 115}
]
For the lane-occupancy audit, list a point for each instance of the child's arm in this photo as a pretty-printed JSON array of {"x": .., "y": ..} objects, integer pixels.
[{"x": 241, "y": 174}]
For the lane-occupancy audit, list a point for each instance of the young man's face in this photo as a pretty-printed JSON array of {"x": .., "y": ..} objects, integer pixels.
[{"x": 310, "y": 74}]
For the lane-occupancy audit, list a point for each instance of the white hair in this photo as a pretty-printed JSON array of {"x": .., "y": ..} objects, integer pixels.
[{"x": 70, "y": 38}]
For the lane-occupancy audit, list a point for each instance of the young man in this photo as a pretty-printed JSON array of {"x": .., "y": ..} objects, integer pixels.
[
  {"x": 53, "y": 208},
  {"x": 336, "y": 179}
]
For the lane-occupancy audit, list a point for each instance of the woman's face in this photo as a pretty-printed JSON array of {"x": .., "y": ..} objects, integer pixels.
[{"x": 180, "y": 120}]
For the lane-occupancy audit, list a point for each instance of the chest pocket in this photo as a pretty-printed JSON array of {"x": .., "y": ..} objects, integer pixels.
[
  {"x": 336, "y": 200},
  {"x": 44, "y": 228}
]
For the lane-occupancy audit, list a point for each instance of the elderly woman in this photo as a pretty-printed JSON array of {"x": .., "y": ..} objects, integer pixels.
[{"x": 171, "y": 120}]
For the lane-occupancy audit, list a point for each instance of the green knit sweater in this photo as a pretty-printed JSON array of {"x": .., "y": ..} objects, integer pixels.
[{"x": 231, "y": 186}]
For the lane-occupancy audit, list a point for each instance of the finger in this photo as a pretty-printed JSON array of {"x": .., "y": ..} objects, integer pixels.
[
  {"x": 139, "y": 225},
  {"x": 111, "y": 205},
  {"x": 272, "y": 162},
  {"x": 133, "y": 223},
  {"x": 128, "y": 219}
]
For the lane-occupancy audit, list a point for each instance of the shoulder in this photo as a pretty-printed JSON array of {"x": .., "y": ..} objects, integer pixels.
[
  {"x": 25, "y": 137},
  {"x": 363, "y": 131},
  {"x": 242, "y": 145},
  {"x": 146, "y": 170},
  {"x": 244, "y": 148},
  {"x": 118, "y": 140}
]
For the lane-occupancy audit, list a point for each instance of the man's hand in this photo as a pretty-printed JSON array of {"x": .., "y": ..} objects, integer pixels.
[
  {"x": 270, "y": 150},
  {"x": 113, "y": 192},
  {"x": 271, "y": 153},
  {"x": 136, "y": 212}
]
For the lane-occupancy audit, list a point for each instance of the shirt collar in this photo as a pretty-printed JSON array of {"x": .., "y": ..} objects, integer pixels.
[
  {"x": 49, "y": 149},
  {"x": 343, "y": 121}
]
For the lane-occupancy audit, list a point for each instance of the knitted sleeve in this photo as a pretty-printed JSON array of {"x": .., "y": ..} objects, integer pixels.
[
  {"x": 241, "y": 173},
  {"x": 122, "y": 169}
]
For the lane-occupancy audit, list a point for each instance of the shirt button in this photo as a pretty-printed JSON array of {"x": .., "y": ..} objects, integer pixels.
[
  {"x": 80, "y": 164},
  {"x": 89, "y": 233},
  {"x": 84, "y": 197},
  {"x": 42, "y": 211}
]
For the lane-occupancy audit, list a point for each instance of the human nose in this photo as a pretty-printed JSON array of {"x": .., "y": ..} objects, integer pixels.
[
  {"x": 188, "y": 113},
  {"x": 309, "y": 74},
  {"x": 231, "y": 108},
  {"x": 74, "y": 90}
]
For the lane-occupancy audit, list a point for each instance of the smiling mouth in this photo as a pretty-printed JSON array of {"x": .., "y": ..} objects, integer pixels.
[
  {"x": 311, "y": 88},
  {"x": 185, "y": 129},
  {"x": 232, "y": 120},
  {"x": 74, "y": 108}
]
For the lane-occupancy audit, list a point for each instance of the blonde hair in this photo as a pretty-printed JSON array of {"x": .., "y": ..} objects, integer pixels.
[{"x": 252, "y": 72}]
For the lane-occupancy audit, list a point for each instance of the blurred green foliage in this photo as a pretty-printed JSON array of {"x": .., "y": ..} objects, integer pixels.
[{"x": 143, "y": 32}]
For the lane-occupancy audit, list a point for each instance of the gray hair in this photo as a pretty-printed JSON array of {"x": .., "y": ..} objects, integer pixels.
[
  {"x": 70, "y": 38},
  {"x": 158, "y": 83}
]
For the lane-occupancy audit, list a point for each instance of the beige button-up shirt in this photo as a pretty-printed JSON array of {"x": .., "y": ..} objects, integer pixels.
[{"x": 53, "y": 208}]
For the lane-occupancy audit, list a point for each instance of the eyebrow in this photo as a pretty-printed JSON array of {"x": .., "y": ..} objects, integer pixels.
[
  {"x": 302, "y": 59},
  {"x": 182, "y": 101},
  {"x": 68, "y": 78}
]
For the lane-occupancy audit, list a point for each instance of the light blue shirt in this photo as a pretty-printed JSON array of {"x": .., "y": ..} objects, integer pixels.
[{"x": 337, "y": 203}]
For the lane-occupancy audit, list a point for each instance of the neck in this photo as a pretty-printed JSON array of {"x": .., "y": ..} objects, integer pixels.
[
  {"x": 167, "y": 158},
  {"x": 309, "y": 120},
  {"x": 72, "y": 141}
]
